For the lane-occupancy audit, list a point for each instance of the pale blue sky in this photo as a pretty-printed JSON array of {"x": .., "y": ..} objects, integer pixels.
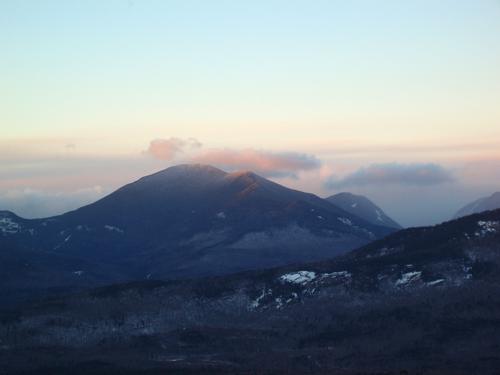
[
  {"x": 344, "y": 65},
  {"x": 300, "y": 76}
]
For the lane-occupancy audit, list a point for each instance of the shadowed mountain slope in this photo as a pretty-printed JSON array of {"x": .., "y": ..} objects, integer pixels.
[
  {"x": 185, "y": 221},
  {"x": 364, "y": 208},
  {"x": 483, "y": 204}
]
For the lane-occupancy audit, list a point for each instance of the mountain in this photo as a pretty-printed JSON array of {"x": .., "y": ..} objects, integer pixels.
[
  {"x": 364, "y": 208},
  {"x": 422, "y": 300},
  {"x": 483, "y": 204},
  {"x": 184, "y": 221}
]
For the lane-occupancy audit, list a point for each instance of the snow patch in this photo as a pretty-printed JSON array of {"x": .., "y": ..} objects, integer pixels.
[
  {"x": 435, "y": 282},
  {"x": 299, "y": 277},
  {"x": 8, "y": 226},
  {"x": 221, "y": 215},
  {"x": 320, "y": 217},
  {"x": 305, "y": 277},
  {"x": 335, "y": 275},
  {"x": 345, "y": 221},
  {"x": 256, "y": 302},
  {"x": 409, "y": 277},
  {"x": 113, "y": 229},
  {"x": 354, "y": 205},
  {"x": 467, "y": 270},
  {"x": 486, "y": 227},
  {"x": 292, "y": 298},
  {"x": 279, "y": 303}
]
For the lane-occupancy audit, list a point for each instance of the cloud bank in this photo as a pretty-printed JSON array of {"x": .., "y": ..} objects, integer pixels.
[
  {"x": 393, "y": 173},
  {"x": 268, "y": 164}
]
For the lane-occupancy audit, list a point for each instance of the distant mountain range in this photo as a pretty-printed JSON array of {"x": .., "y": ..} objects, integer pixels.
[
  {"x": 422, "y": 300},
  {"x": 185, "y": 221},
  {"x": 483, "y": 204},
  {"x": 364, "y": 208}
]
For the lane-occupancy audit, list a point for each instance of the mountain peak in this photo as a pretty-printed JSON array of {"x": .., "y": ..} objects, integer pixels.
[
  {"x": 362, "y": 207},
  {"x": 244, "y": 174},
  {"x": 190, "y": 171},
  {"x": 346, "y": 194},
  {"x": 194, "y": 167}
]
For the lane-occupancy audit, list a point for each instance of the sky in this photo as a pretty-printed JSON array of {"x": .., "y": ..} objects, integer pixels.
[{"x": 396, "y": 100}]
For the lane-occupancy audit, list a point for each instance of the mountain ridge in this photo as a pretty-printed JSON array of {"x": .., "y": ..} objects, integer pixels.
[
  {"x": 185, "y": 221},
  {"x": 488, "y": 203},
  {"x": 363, "y": 207}
]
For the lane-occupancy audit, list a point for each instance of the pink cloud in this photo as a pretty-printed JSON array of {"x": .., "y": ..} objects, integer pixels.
[
  {"x": 270, "y": 164},
  {"x": 168, "y": 149}
]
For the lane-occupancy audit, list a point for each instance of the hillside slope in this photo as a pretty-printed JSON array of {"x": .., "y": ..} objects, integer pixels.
[
  {"x": 483, "y": 204},
  {"x": 423, "y": 300}
]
